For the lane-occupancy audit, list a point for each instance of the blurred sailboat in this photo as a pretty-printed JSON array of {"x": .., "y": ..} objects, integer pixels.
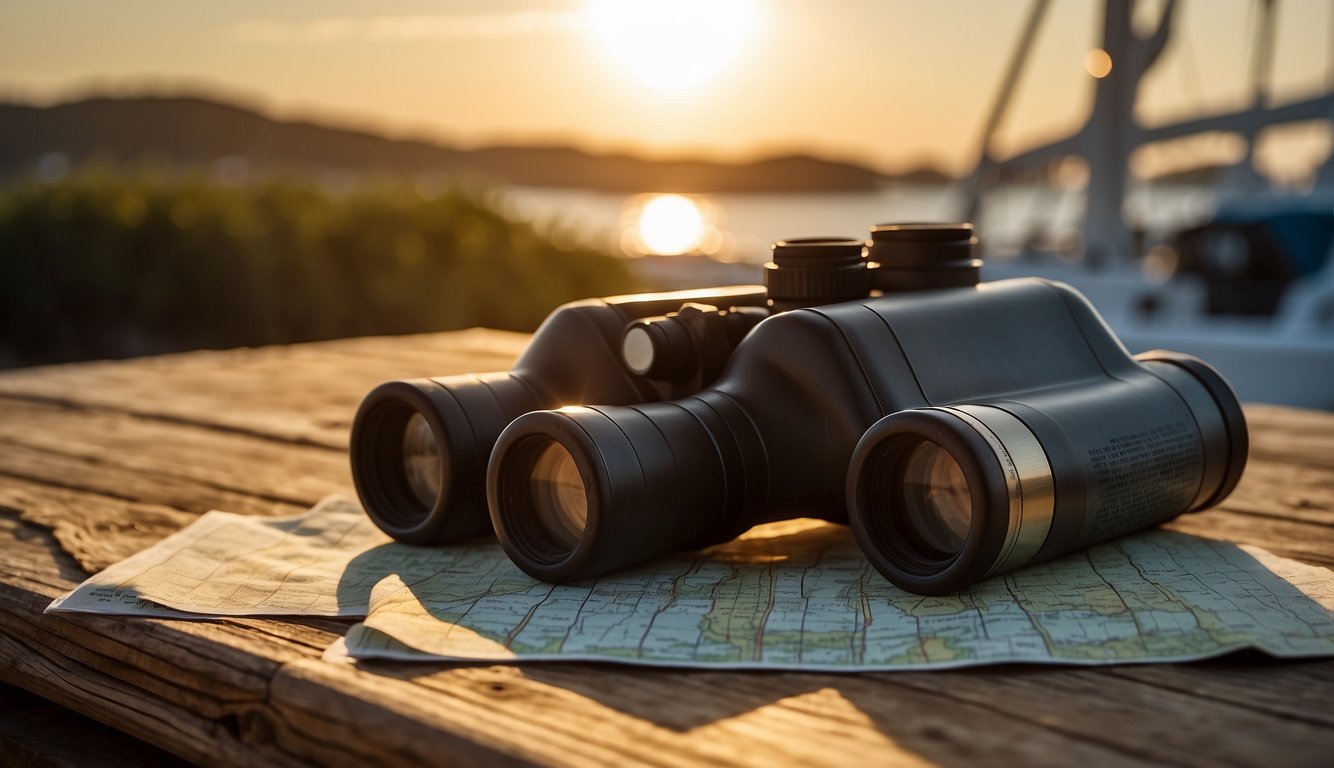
[{"x": 1251, "y": 289}]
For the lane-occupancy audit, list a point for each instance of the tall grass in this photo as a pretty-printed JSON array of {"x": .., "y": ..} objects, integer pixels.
[{"x": 107, "y": 265}]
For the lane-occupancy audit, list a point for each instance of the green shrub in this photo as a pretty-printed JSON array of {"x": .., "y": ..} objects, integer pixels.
[{"x": 107, "y": 265}]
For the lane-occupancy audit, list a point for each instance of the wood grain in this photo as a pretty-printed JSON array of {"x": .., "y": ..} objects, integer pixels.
[
  {"x": 304, "y": 393},
  {"x": 37, "y": 733},
  {"x": 100, "y": 460}
]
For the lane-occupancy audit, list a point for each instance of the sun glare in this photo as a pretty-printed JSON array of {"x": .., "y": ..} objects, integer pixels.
[{"x": 673, "y": 44}]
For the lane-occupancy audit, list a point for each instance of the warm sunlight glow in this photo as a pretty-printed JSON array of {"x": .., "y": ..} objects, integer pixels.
[
  {"x": 1098, "y": 63},
  {"x": 673, "y": 44},
  {"x": 671, "y": 224}
]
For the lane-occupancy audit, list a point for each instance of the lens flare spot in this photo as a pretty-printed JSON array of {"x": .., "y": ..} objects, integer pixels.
[{"x": 1098, "y": 63}]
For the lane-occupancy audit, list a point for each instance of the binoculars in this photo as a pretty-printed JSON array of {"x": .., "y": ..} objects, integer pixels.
[{"x": 963, "y": 429}]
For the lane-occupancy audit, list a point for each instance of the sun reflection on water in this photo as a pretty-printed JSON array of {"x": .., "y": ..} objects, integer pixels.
[{"x": 671, "y": 225}]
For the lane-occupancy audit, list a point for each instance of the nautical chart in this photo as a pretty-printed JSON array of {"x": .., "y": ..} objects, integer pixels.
[{"x": 793, "y": 595}]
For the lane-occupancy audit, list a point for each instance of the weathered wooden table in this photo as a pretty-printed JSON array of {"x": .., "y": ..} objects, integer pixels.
[{"x": 100, "y": 460}]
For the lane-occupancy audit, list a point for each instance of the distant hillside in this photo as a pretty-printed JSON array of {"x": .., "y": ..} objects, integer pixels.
[{"x": 197, "y": 132}]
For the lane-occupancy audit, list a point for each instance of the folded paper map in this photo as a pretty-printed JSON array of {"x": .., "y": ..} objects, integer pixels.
[{"x": 791, "y": 595}]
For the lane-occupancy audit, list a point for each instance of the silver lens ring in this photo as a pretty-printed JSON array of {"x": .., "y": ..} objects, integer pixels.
[{"x": 1028, "y": 477}]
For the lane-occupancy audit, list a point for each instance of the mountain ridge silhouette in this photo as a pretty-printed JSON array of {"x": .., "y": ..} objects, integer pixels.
[{"x": 199, "y": 132}]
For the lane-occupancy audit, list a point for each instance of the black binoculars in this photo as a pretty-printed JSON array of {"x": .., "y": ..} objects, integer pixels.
[{"x": 963, "y": 429}]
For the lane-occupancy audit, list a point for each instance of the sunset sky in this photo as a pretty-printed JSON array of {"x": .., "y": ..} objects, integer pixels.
[{"x": 887, "y": 83}]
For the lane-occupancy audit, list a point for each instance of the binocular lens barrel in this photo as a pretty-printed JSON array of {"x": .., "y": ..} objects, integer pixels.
[
  {"x": 419, "y": 449},
  {"x": 577, "y": 492},
  {"x": 401, "y": 469},
  {"x": 940, "y": 498}
]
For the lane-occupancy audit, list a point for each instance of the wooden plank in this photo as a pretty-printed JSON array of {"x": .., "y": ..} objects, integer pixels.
[
  {"x": 305, "y": 393},
  {"x": 57, "y": 470},
  {"x": 1298, "y": 691},
  {"x": 38, "y": 734},
  {"x": 202, "y": 457},
  {"x": 1285, "y": 490},
  {"x": 703, "y": 699},
  {"x": 100, "y": 460},
  {"x": 95, "y": 530},
  {"x": 195, "y": 468},
  {"x": 1176, "y": 727},
  {"x": 580, "y": 714},
  {"x": 708, "y": 708},
  {"x": 1298, "y": 540},
  {"x": 1291, "y": 435}
]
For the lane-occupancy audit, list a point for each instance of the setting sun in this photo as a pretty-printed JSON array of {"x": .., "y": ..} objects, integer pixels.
[{"x": 673, "y": 44}]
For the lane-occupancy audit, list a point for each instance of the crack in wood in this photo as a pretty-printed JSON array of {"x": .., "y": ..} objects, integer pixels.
[
  {"x": 45, "y": 533},
  {"x": 1249, "y": 707},
  {"x": 1277, "y": 516},
  {"x": 165, "y": 418},
  {"x": 1121, "y": 746},
  {"x": 149, "y": 474}
]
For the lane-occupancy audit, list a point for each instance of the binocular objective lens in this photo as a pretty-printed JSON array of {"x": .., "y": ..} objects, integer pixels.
[
  {"x": 421, "y": 460},
  {"x": 942, "y": 497},
  {"x": 559, "y": 501},
  {"x": 935, "y": 498}
]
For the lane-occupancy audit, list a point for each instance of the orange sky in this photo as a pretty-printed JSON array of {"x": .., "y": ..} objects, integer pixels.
[{"x": 889, "y": 83}]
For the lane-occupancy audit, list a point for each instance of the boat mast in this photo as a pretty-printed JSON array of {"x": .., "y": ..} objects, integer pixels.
[
  {"x": 1105, "y": 140},
  {"x": 986, "y": 163},
  {"x": 1242, "y": 180},
  {"x": 1111, "y": 133}
]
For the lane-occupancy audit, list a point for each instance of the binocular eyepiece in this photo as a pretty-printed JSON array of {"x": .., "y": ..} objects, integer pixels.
[
  {"x": 811, "y": 271},
  {"x": 961, "y": 429}
]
